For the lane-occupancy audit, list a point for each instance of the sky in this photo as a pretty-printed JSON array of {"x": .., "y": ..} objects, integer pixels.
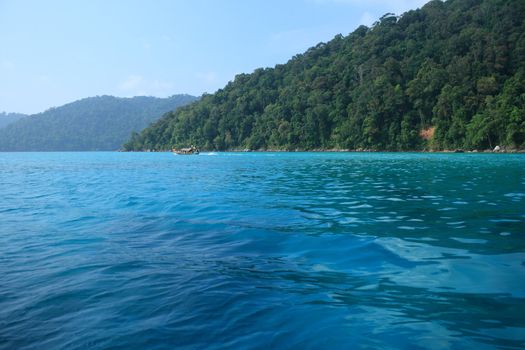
[{"x": 57, "y": 51}]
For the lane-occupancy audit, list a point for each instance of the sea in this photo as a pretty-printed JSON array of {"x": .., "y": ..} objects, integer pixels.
[{"x": 262, "y": 251}]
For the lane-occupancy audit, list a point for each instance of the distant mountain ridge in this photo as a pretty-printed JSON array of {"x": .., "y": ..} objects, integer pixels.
[
  {"x": 8, "y": 118},
  {"x": 450, "y": 75},
  {"x": 100, "y": 123}
]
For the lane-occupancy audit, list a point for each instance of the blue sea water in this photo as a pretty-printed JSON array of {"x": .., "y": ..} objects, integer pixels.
[{"x": 262, "y": 250}]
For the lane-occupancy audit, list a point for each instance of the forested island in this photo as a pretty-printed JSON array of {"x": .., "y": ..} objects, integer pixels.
[
  {"x": 450, "y": 75},
  {"x": 100, "y": 123}
]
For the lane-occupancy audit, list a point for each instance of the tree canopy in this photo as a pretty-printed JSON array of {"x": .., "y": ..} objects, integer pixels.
[{"x": 456, "y": 68}]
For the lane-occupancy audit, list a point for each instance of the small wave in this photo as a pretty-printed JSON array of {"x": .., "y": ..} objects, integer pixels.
[
  {"x": 209, "y": 154},
  {"x": 455, "y": 223},
  {"x": 504, "y": 220},
  {"x": 516, "y": 195},
  {"x": 393, "y": 199},
  {"x": 469, "y": 240},
  {"x": 361, "y": 206}
]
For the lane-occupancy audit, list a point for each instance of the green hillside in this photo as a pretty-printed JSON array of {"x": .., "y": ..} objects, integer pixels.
[
  {"x": 449, "y": 75},
  {"x": 91, "y": 124}
]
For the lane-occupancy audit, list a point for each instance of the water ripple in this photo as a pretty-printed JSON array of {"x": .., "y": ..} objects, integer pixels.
[{"x": 261, "y": 250}]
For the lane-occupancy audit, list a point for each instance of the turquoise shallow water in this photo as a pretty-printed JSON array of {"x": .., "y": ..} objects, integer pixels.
[{"x": 262, "y": 250}]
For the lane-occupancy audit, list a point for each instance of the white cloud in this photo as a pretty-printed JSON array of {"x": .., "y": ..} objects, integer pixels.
[
  {"x": 291, "y": 42},
  {"x": 137, "y": 85},
  {"x": 7, "y": 65},
  {"x": 208, "y": 78},
  {"x": 44, "y": 78},
  {"x": 132, "y": 82},
  {"x": 162, "y": 86},
  {"x": 416, "y": 3},
  {"x": 367, "y": 19},
  {"x": 396, "y": 6}
]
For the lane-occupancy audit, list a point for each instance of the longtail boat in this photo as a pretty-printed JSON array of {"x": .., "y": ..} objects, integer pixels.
[{"x": 186, "y": 151}]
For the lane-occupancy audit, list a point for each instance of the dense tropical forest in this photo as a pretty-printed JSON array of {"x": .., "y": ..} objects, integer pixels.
[
  {"x": 8, "y": 118},
  {"x": 99, "y": 123},
  {"x": 449, "y": 75}
]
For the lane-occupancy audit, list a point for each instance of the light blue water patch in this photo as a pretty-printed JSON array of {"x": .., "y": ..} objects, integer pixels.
[{"x": 262, "y": 250}]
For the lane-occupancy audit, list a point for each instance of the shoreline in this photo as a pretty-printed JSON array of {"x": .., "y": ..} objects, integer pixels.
[{"x": 502, "y": 151}]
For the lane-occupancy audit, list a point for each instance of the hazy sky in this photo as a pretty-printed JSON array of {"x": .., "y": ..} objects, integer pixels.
[{"x": 53, "y": 52}]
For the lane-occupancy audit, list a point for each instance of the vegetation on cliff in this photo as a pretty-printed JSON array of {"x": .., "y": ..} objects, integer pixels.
[{"x": 448, "y": 75}]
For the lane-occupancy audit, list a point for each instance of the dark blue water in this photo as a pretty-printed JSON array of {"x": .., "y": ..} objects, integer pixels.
[{"x": 248, "y": 250}]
